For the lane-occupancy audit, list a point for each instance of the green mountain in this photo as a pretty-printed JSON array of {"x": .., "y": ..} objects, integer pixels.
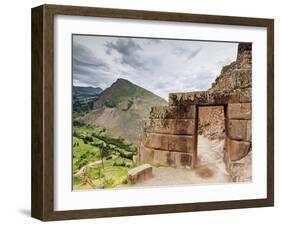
[{"x": 122, "y": 109}]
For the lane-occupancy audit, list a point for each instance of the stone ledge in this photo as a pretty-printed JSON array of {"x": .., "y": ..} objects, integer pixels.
[
  {"x": 140, "y": 173},
  {"x": 211, "y": 97}
]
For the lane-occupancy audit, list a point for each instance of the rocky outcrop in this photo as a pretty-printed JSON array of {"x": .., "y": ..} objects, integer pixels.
[
  {"x": 170, "y": 137},
  {"x": 237, "y": 75}
]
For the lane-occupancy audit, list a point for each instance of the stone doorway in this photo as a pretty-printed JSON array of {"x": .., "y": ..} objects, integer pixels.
[
  {"x": 211, "y": 123},
  {"x": 211, "y": 136}
]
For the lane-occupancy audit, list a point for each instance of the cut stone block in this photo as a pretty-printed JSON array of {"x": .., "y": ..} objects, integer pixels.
[
  {"x": 161, "y": 125},
  {"x": 217, "y": 96},
  {"x": 240, "y": 129},
  {"x": 182, "y": 159},
  {"x": 189, "y": 98},
  {"x": 249, "y": 130},
  {"x": 183, "y": 112},
  {"x": 157, "y": 141},
  {"x": 165, "y": 158},
  {"x": 181, "y": 143},
  {"x": 173, "y": 126},
  {"x": 140, "y": 173},
  {"x": 239, "y": 111},
  {"x": 173, "y": 112},
  {"x": 183, "y": 126},
  {"x": 237, "y": 129},
  {"x": 146, "y": 154},
  {"x": 236, "y": 150}
]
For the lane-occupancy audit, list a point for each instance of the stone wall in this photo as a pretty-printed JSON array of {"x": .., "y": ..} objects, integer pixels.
[
  {"x": 170, "y": 138},
  {"x": 239, "y": 141}
]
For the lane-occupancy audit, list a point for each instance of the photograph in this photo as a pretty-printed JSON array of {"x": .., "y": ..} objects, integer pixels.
[
  {"x": 140, "y": 112},
  {"x": 150, "y": 112}
]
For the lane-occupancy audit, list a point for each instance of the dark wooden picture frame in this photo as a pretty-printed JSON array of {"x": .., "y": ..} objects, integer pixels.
[{"x": 42, "y": 203}]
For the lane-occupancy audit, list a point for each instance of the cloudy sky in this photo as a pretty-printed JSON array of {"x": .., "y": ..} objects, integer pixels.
[{"x": 158, "y": 65}]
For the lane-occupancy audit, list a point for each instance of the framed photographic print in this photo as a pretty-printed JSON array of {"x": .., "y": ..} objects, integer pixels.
[{"x": 141, "y": 112}]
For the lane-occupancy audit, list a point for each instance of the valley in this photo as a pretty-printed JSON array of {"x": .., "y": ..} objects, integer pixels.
[{"x": 106, "y": 128}]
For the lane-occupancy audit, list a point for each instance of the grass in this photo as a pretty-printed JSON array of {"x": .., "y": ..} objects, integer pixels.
[
  {"x": 90, "y": 144},
  {"x": 110, "y": 177},
  {"x": 83, "y": 154}
]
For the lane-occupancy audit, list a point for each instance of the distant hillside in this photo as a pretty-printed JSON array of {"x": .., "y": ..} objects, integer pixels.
[
  {"x": 83, "y": 99},
  {"x": 83, "y": 92},
  {"x": 122, "y": 108}
]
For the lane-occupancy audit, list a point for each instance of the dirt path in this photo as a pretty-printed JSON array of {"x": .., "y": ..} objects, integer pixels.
[
  {"x": 91, "y": 165},
  {"x": 210, "y": 168}
]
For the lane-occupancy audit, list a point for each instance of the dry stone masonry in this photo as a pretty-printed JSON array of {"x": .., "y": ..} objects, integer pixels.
[{"x": 170, "y": 137}]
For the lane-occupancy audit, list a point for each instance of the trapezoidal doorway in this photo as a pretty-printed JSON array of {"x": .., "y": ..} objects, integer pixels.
[{"x": 211, "y": 136}]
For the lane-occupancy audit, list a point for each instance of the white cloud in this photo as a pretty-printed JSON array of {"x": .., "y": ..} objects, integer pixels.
[{"x": 160, "y": 66}]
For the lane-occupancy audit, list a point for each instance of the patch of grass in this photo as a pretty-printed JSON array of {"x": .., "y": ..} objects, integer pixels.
[
  {"x": 83, "y": 153},
  {"x": 91, "y": 144},
  {"x": 157, "y": 165}
]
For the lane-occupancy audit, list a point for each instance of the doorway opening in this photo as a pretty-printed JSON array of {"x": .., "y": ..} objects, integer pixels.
[{"x": 211, "y": 127}]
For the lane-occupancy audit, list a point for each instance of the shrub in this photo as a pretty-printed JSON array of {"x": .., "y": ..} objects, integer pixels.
[
  {"x": 88, "y": 138},
  {"x": 128, "y": 164},
  {"x": 200, "y": 128},
  {"x": 125, "y": 181},
  {"x": 119, "y": 162}
]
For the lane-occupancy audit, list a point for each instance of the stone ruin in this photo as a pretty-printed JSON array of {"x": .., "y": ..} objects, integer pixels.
[{"x": 170, "y": 136}]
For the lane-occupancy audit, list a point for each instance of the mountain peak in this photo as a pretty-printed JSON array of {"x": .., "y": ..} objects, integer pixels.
[
  {"x": 122, "y": 80},
  {"x": 123, "y": 91}
]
